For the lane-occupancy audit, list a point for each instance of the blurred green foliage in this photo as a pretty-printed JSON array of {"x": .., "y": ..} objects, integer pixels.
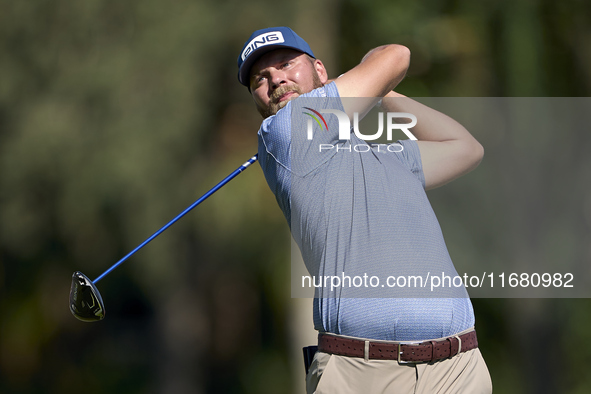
[{"x": 115, "y": 116}]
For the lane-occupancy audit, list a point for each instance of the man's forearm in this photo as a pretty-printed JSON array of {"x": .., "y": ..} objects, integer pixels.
[
  {"x": 447, "y": 149},
  {"x": 432, "y": 125},
  {"x": 378, "y": 73}
]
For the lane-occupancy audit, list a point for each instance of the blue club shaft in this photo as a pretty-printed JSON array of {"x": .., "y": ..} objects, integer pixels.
[{"x": 167, "y": 225}]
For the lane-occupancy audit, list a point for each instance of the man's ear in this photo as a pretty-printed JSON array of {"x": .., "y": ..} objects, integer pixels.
[{"x": 321, "y": 70}]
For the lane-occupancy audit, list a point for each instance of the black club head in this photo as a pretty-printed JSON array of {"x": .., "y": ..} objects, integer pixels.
[{"x": 86, "y": 303}]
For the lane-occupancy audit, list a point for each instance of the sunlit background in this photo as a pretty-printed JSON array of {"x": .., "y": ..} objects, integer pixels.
[{"x": 116, "y": 115}]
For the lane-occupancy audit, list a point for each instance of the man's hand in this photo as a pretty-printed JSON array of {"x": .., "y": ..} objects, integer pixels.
[{"x": 447, "y": 149}]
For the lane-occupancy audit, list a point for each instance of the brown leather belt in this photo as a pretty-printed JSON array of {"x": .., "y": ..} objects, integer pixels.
[{"x": 404, "y": 353}]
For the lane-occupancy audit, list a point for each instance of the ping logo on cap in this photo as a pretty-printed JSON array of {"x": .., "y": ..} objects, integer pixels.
[{"x": 272, "y": 37}]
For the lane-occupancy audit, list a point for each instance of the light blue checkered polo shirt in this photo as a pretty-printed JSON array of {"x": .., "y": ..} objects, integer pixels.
[{"x": 356, "y": 213}]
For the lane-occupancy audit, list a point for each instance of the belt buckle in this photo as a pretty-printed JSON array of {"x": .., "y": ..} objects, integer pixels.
[{"x": 399, "y": 354}]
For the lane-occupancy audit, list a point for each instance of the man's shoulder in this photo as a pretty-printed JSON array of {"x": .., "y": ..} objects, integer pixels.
[{"x": 328, "y": 90}]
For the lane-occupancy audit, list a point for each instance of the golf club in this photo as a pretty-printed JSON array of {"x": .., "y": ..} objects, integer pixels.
[{"x": 86, "y": 303}]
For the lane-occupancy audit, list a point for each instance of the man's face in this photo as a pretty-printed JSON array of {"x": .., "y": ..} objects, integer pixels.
[{"x": 282, "y": 75}]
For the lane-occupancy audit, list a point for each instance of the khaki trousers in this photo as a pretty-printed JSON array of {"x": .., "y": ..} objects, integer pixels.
[{"x": 463, "y": 373}]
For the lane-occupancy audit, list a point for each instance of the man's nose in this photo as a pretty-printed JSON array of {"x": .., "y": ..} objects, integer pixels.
[{"x": 278, "y": 78}]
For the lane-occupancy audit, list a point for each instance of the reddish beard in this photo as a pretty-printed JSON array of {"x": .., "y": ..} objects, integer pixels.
[{"x": 274, "y": 105}]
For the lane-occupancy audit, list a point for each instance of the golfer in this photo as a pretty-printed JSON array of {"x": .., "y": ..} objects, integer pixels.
[{"x": 359, "y": 210}]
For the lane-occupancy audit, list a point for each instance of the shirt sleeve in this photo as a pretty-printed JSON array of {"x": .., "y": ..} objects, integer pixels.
[{"x": 410, "y": 157}]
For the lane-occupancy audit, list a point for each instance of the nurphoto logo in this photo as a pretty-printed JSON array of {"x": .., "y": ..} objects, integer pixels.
[{"x": 345, "y": 127}]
